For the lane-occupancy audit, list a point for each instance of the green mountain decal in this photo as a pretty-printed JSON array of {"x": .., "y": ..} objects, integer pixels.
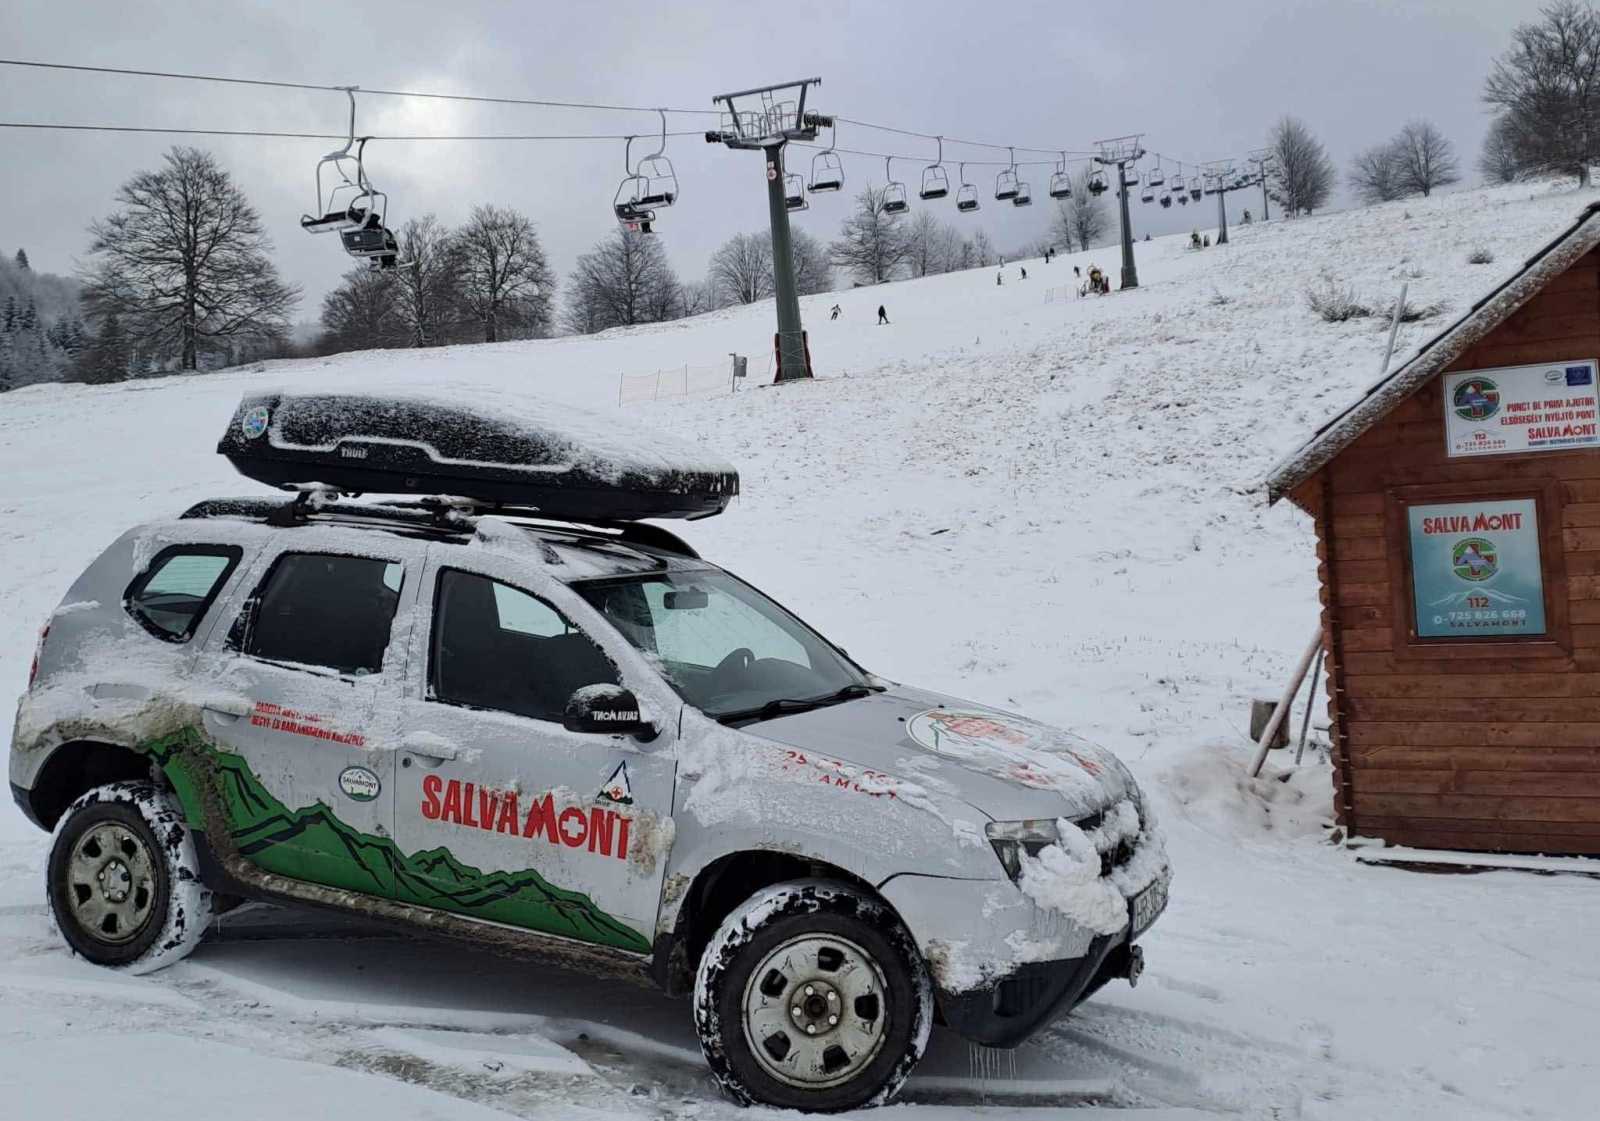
[{"x": 313, "y": 845}]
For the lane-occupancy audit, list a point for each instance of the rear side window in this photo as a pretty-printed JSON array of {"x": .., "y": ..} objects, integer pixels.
[
  {"x": 321, "y": 609},
  {"x": 171, "y": 596},
  {"x": 497, "y": 647}
]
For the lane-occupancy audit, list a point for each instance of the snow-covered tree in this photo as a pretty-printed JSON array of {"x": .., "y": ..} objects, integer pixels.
[
  {"x": 1424, "y": 158},
  {"x": 1080, "y": 218},
  {"x": 1301, "y": 175},
  {"x": 428, "y": 299},
  {"x": 983, "y": 251},
  {"x": 506, "y": 281},
  {"x": 22, "y": 260},
  {"x": 872, "y": 244},
  {"x": 185, "y": 263},
  {"x": 741, "y": 269},
  {"x": 625, "y": 279},
  {"x": 1547, "y": 85},
  {"x": 363, "y": 312},
  {"x": 106, "y": 356},
  {"x": 813, "y": 272},
  {"x": 1374, "y": 174},
  {"x": 1501, "y": 159}
]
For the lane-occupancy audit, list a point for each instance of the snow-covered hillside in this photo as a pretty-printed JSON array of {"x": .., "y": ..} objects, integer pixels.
[{"x": 1052, "y": 506}]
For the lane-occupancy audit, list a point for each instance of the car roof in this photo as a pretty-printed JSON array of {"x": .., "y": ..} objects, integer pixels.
[{"x": 571, "y": 552}]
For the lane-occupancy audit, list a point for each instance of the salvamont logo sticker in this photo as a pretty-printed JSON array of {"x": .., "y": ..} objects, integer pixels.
[
  {"x": 359, "y": 784},
  {"x": 617, "y": 788},
  {"x": 254, "y": 422}
]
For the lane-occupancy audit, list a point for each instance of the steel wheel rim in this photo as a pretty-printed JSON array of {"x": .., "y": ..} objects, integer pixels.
[
  {"x": 802, "y": 984},
  {"x": 110, "y": 888}
]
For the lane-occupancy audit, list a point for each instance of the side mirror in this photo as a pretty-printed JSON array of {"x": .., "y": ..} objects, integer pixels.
[{"x": 606, "y": 710}]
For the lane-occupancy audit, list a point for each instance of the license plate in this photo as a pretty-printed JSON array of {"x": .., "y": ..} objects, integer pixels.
[{"x": 1147, "y": 907}]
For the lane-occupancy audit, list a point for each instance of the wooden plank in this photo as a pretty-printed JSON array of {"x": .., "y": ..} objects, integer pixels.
[
  {"x": 1364, "y": 639},
  {"x": 1349, "y": 505},
  {"x": 1357, "y": 525},
  {"x": 1580, "y": 661},
  {"x": 1548, "y": 734},
  {"x": 1584, "y": 611},
  {"x": 1534, "y": 352},
  {"x": 1548, "y": 304},
  {"x": 1541, "y": 327},
  {"x": 1488, "y": 683},
  {"x": 1470, "y": 825},
  {"x": 1583, "y": 564},
  {"x": 1580, "y": 490},
  {"x": 1461, "y": 710},
  {"x": 1581, "y": 277},
  {"x": 1364, "y": 615},
  {"x": 1560, "y": 759},
  {"x": 1583, "y": 588},
  {"x": 1542, "y": 784},
  {"x": 1481, "y": 837},
  {"x": 1575, "y": 515},
  {"x": 1581, "y": 540},
  {"x": 1496, "y": 808},
  {"x": 1362, "y": 571},
  {"x": 1370, "y": 548},
  {"x": 1412, "y": 467},
  {"x": 1351, "y": 594}
]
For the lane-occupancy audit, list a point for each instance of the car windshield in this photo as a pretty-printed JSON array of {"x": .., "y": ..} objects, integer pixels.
[{"x": 727, "y": 649}]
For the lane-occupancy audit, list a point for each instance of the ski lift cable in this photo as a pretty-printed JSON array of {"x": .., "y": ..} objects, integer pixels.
[
  {"x": 547, "y": 103},
  {"x": 274, "y": 135}
]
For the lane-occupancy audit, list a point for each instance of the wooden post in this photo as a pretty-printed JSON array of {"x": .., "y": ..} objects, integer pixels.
[{"x": 1282, "y": 710}]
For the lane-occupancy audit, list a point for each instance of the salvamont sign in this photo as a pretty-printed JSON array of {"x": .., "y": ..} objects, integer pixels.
[{"x": 1521, "y": 409}]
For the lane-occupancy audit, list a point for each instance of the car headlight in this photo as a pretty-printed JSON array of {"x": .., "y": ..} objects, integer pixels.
[{"x": 1010, "y": 839}]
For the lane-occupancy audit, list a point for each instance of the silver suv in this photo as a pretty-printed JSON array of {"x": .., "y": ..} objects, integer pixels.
[{"x": 582, "y": 745}]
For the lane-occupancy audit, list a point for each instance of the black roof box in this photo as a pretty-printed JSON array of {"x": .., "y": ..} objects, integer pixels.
[{"x": 568, "y": 465}]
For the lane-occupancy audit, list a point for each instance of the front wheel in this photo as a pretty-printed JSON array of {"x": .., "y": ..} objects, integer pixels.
[
  {"x": 123, "y": 882},
  {"x": 813, "y": 996}
]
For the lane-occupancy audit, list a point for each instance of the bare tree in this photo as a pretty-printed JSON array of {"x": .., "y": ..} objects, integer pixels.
[
  {"x": 363, "y": 312},
  {"x": 428, "y": 291},
  {"x": 1424, "y": 158},
  {"x": 813, "y": 272},
  {"x": 506, "y": 280},
  {"x": 741, "y": 269},
  {"x": 1080, "y": 218},
  {"x": 983, "y": 252},
  {"x": 625, "y": 279},
  {"x": 872, "y": 244},
  {"x": 1301, "y": 173},
  {"x": 1374, "y": 174},
  {"x": 922, "y": 244},
  {"x": 1501, "y": 160},
  {"x": 695, "y": 297},
  {"x": 184, "y": 265},
  {"x": 1548, "y": 86}
]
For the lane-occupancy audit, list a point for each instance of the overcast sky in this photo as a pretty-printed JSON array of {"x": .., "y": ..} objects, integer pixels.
[{"x": 1201, "y": 80}]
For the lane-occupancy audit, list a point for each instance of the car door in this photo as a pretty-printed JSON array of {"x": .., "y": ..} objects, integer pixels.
[
  {"x": 504, "y": 814},
  {"x": 307, "y": 791}
]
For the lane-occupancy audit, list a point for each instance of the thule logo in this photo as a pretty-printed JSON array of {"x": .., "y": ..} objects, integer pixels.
[{"x": 353, "y": 453}]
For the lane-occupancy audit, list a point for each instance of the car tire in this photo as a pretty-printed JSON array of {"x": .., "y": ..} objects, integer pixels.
[
  {"x": 123, "y": 883},
  {"x": 818, "y": 955}
]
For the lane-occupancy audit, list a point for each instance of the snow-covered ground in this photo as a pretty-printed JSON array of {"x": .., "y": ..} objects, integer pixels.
[{"x": 1050, "y": 506}]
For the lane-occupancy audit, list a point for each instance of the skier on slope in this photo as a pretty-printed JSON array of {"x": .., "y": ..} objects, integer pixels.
[{"x": 883, "y": 316}]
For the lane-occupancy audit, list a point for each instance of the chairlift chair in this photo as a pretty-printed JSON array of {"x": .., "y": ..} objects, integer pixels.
[
  {"x": 1060, "y": 181},
  {"x": 1166, "y": 201},
  {"x": 339, "y": 208},
  {"x": 629, "y": 205},
  {"x": 794, "y": 192},
  {"x": 935, "y": 182},
  {"x": 1156, "y": 177},
  {"x": 1195, "y": 192},
  {"x": 1148, "y": 194},
  {"x": 894, "y": 194},
  {"x": 660, "y": 180},
  {"x": 966, "y": 194},
  {"x": 1024, "y": 195},
  {"x": 1005, "y": 184},
  {"x": 827, "y": 170},
  {"x": 1097, "y": 183}
]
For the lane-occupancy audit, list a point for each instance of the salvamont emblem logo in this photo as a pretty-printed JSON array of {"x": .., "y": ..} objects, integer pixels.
[
  {"x": 254, "y": 422},
  {"x": 617, "y": 788},
  {"x": 359, "y": 784}
]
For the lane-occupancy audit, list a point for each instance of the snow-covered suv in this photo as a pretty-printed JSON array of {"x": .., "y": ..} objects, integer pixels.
[{"x": 582, "y": 744}]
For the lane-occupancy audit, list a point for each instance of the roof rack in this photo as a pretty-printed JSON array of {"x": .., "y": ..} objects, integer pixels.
[{"x": 442, "y": 514}]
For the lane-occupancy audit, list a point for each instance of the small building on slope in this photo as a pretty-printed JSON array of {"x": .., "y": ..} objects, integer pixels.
[{"x": 1457, "y": 510}]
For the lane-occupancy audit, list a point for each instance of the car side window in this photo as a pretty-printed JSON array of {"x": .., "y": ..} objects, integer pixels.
[
  {"x": 172, "y": 595},
  {"x": 324, "y": 610},
  {"x": 497, "y": 647}
]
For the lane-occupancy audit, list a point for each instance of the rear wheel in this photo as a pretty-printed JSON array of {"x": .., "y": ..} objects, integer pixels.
[
  {"x": 123, "y": 882},
  {"x": 812, "y": 995}
]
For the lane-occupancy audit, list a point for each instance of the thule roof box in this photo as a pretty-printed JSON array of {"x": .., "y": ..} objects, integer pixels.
[{"x": 564, "y": 464}]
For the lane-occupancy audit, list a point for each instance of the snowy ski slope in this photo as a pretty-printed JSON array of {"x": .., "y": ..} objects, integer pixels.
[{"x": 1050, "y": 506}]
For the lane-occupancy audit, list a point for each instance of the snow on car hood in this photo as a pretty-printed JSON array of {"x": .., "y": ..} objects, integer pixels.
[{"x": 1008, "y": 766}]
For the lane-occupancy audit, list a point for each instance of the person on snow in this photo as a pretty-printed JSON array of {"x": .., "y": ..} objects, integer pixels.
[
  {"x": 1077, "y": 272},
  {"x": 1024, "y": 273},
  {"x": 883, "y": 316},
  {"x": 834, "y": 312},
  {"x": 1205, "y": 242},
  {"x": 1097, "y": 280},
  {"x": 1194, "y": 239},
  {"x": 1000, "y": 278}
]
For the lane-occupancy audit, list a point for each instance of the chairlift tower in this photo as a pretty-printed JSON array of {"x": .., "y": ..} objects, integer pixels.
[
  {"x": 1120, "y": 151},
  {"x": 767, "y": 118},
  {"x": 1220, "y": 172},
  {"x": 1263, "y": 159}
]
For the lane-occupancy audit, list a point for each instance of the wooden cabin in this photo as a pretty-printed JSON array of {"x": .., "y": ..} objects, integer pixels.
[{"x": 1457, "y": 510}]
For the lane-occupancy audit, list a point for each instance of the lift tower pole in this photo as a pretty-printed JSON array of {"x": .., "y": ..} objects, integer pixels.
[
  {"x": 1262, "y": 158},
  {"x": 768, "y": 123},
  {"x": 1120, "y": 151},
  {"x": 1220, "y": 173}
]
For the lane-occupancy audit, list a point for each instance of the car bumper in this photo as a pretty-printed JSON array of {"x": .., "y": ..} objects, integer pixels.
[{"x": 1002, "y": 967}]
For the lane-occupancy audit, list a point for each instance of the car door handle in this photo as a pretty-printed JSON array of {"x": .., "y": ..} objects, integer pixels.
[
  {"x": 425, "y": 745},
  {"x": 233, "y": 708}
]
